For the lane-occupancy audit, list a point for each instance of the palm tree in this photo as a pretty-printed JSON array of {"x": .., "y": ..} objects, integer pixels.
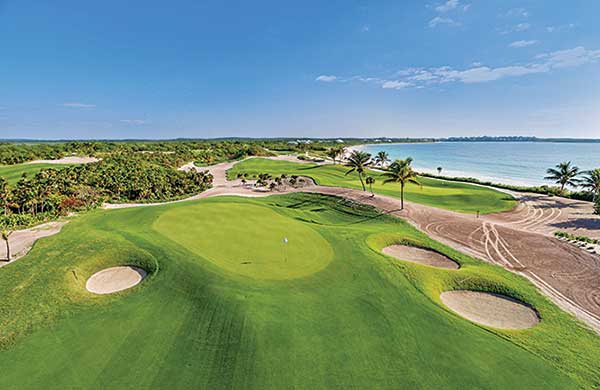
[
  {"x": 563, "y": 174},
  {"x": 401, "y": 172},
  {"x": 370, "y": 181},
  {"x": 332, "y": 153},
  {"x": 439, "y": 169},
  {"x": 359, "y": 161},
  {"x": 4, "y": 194},
  {"x": 5, "y": 234},
  {"x": 381, "y": 158},
  {"x": 591, "y": 182}
]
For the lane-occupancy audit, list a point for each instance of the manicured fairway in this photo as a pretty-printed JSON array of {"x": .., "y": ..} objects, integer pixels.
[
  {"x": 337, "y": 314},
  {"x": 449, "y": 195},
  {"x": 13, "y": 173}
]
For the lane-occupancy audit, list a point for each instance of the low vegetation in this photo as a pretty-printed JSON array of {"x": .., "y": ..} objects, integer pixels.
[{"x": 573, "y": 237}]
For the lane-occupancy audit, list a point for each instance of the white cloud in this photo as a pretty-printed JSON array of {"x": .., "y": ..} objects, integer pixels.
[
  {"x": 516, "y": 28},
  {"x": 570, "y": 57},
  {"x": 395, "y": 84},
  {"x": 563, "y": 27},
  {"x": 518, "y": 12},
  {"x": 523, "y": 43},
  {"x": 447, "y": 6},
  {"x": 445, "y": 21},
  {"x": 326, "y": 79},
  {"x": 136, "y": 122},
  {"x": 478, "y": 73},
  {"x": 78, "y": 105}
]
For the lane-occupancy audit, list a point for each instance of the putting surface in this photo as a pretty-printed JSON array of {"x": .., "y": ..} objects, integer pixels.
[
  {"x": 249, "y": 240},
  {"x": 361, "y": 321}
]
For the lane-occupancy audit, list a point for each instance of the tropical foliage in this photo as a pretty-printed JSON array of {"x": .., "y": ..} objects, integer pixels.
[
  {"x": 563, "y": 174},
  {"x": 118, "y": 178},
  {"x": 591, "y": 182},
  {"x": 381, "y": 158},
  {"x": 335, "y": 153},
  {"x": 359, "y": 161},
  {"x": 401, "y": 172}
]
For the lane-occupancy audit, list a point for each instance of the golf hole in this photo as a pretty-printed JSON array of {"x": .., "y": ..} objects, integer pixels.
[
  {"x": 420, "y": 256},
  {"x": 115, "y": 279},
  {"x": 495, "y": 310}
]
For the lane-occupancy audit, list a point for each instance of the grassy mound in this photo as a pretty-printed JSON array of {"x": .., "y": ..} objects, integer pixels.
[
  {"x": 462, "y": 197},
  {"x": 362, "y": 321}
]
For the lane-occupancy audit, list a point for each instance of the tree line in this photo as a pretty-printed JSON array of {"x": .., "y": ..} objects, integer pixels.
[{"x": 117, "y": 178}]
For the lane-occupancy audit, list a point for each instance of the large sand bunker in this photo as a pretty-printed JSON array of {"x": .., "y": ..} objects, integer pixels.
[
  {"x": 493, "y": 310},
  {"x": 421, "y": 256},
  {"x": 115, "y": 279},
  {"x": 67, "y": 160}
]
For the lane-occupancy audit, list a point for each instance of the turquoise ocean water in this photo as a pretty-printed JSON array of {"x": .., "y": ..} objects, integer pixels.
[{"x": 520, "y": 163}]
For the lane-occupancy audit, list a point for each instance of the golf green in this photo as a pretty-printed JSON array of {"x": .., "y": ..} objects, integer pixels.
[
  {"x": 338, "y": 314},
  {"x": 261, "y": 243}
]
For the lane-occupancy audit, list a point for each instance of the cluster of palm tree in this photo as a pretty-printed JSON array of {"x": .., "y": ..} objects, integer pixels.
[
  {"x": 400, "y": 171},
  {"x": 566, "y": 174}
]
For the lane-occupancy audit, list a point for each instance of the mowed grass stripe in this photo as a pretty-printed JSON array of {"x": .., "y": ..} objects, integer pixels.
[
  {"x": 363, "y": 321},
  {"x": 450, "y": 195}
]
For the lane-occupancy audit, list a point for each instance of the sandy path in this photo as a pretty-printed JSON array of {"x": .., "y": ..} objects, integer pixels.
[
  {"x": 519, "y": 240},
  {"x": 21, "y": 241},
  {"x": 67, "y": 160}
]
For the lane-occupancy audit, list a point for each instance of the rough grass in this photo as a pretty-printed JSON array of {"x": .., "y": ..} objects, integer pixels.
[
  {"x": 364, "y": 321},
  {"x": 462, "y": 197},
  {"x": 13, "y": 173}
]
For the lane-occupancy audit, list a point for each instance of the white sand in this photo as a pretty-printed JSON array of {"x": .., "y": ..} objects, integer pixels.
[
  {"x": 115, "y": 279},
  {"x": 67, "y": 160},
  {"x": 492, "y": 310},
  {"x": 421, "y": 256}
]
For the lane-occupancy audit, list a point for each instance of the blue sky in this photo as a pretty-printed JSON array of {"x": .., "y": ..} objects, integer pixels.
[{"x": 155, "y": 69}]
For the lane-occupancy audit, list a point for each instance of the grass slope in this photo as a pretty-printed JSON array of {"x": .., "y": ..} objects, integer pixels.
[
  {"x": 462, "y": 197},
  {"x": 13, "y": 173},
  {"x": 202, "y": 321}
]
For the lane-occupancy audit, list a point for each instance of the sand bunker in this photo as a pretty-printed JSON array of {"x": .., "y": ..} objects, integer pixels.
[
  {"x": 67, "y": 160},
  {"x": 115, "y": 279},
  {"x": 493, "y": 310},
  {"x": 421, "y": 256}
]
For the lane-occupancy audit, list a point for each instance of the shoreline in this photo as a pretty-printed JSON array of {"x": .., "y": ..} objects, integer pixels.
[{"x": 457, "y": 174}]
